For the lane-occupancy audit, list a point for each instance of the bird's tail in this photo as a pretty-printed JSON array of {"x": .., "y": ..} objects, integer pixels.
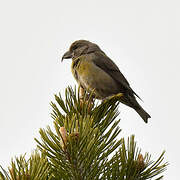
[{"x": 144, "y": 115}]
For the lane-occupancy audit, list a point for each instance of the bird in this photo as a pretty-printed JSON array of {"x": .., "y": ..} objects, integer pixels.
[{"x": 95, "y": 72}]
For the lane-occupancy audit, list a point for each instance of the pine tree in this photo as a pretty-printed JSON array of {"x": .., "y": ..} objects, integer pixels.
[{"x": 85, "y": 145}]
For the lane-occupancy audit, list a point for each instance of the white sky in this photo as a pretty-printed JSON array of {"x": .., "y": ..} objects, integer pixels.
[{"x": 142, "y": 37}]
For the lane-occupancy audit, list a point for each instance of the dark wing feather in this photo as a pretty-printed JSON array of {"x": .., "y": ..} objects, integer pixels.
[{"x": 105, "y": 63}]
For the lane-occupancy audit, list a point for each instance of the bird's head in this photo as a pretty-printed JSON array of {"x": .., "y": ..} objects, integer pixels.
[{"x": 79, "y": 48}]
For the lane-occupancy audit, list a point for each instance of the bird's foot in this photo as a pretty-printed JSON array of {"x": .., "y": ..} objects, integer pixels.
[
  {"x": 81, "y": 92},
  {"x": 88, "y": 103},
  {"x": 86, "y": 100}
]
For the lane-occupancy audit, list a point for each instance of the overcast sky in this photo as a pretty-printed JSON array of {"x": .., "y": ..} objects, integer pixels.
[{"x": 142, "y": 37}]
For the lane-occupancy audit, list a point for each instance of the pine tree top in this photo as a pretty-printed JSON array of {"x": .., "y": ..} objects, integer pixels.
[{"x": 85, "y": 145}]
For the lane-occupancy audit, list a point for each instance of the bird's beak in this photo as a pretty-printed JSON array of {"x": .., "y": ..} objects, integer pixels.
[{"x": 67, "y": 55}]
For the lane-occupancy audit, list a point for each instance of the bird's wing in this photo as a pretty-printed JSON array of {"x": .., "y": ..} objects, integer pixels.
[{"x": 106, "y": 64}]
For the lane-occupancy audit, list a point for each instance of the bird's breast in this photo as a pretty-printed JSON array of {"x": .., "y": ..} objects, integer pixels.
[{"x": 93, "y": 78}]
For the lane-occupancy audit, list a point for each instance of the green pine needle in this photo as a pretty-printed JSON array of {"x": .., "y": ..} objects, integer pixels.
[{"x": 85, "y": 145}]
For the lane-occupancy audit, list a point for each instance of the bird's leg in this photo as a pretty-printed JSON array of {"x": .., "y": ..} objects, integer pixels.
[
  {"x": 81, "y": 93},
  {"x": 85, "y": 98}
]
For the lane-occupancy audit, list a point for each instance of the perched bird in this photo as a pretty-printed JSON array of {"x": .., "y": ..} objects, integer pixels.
[{"x": 95, "y": 71}]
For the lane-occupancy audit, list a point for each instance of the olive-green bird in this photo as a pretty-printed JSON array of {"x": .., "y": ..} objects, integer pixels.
[{"x": 95, "y": 71}]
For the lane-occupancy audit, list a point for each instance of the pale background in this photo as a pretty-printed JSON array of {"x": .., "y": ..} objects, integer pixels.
[{"x": 141, "y": 36}]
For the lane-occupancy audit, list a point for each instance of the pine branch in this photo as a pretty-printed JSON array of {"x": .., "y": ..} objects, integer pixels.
[
  {"x": 90, "y": 138},
  {"x": 88, "y": 144},
  {"x": 84, "y": 145},
  {"x": 36, "y": 167},
  {"x": 129, "y": 164}
]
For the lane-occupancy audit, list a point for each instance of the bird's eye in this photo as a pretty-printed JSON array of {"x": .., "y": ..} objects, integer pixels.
[{"x": 74, "y": 48}]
